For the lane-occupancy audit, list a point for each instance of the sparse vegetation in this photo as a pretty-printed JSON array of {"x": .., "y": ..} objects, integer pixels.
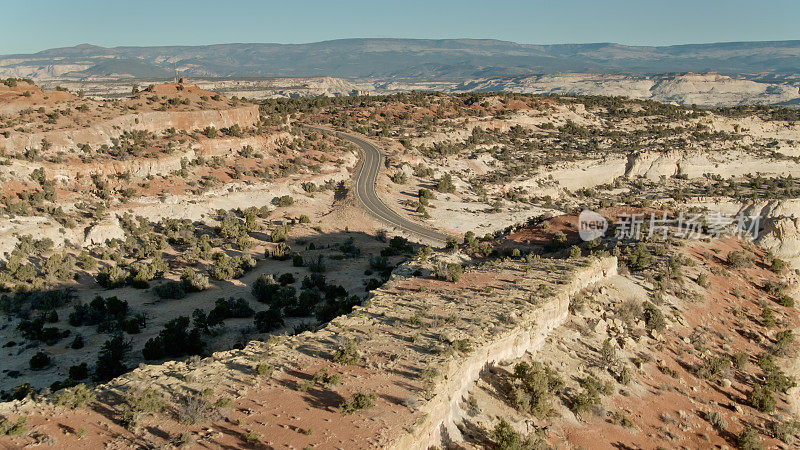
[
  {"x": 748, "y": 439},
  {"x": 15, "y": 428},
  {"x": 346, "y": 354},
  {"x": 653, "y": 317},
  {"x": 498, "y": 281},
  {"x": 717, "y": 421},
  {"x": 75, "y": 397},
  {"x": 357, "y": 402},
  {"x": 533, "y": 388}
]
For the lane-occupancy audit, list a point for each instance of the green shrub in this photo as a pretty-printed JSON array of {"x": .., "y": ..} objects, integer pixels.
[
  {"x": 193, "y": 281},
  {"x": 506, "y": 438},
  {"x": 653, "y": 317},
  {"x": 445, "y": 184},
  {"x": 717, "y": 421},
  {"x": 173, "y": 341},
  {"x": 400, "y": 177},
  {"x": 558, "y": 240},
  {"x": 269, "y": 320},
  {"x": 108, "y": 314},
  {"x": 223, "y": 309},
  {"x": 79, "y": 372},
  {"x": 112, "y": 277},
  {"x": 449, "y": 271},
  {"x": 767, "y": 316},
  {"x": 534, "y": 388},
  {"x": 75, "y": 397},
  {"x": 785, "y": 431},
  {"x": 775, "y": 288},
  {"x": 785, "y": 300},
  {"x": 224, "y": 402},
  {"x": 281, "y": 252},
  {"x": 346, "y": 354},
  {"x": 183, "y": 440},
  {"x": 148, "y": 401},
  {"x": 226, "y": 267},
  {"x": 266, "y": 290},
  {"x": 624, "y": 377},
  {"x": 335, "y": 305},
  {"x": 589, "y": 396},
  {"x": 775, "y": 379},
  {"x": 322, "y": 377},
  {"x": 286, "y": 279},
  {"x": 714, "y": 366},
  {"x": 761, "y": 398},
  {"x": 280, "y": 233},
  {"x": 297, "y": 260},
  {"x": 210, "y": 132},
  {"x": 109, "y": 360},
  {"x": 317, "y": 265},
  {"x": 252, "y": 437},
  {"x": 284, "y": 200},
  {"x": 358, "y": 402},
  {"x": 36, "y": 330},
  {"x": 263, "y": 369},
  {"x": 16, "y": 428},
  {"x": 424, "y": 253},
  {"x": 784, "y": 341},
  {"x": 737, "y": 260},
  {"x": 23, "y": 391},
  {"x": 748, "y": 439},
  {"x": 425, "y": 194},
  {"x": 739, "y": 359},
  {"x": 170, "y": 290},
  {"x": 778, "y": 265},
  {"x": 608, "y": 353},
  {"x": 77, "y": 342},
  {"x": 640, "y": 258},
  {"x": 39, "y": 361},
  {"x": 398, "y": 245}
]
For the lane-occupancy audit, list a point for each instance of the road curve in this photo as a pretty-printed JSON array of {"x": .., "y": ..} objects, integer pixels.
[{"x": 366, "y": 179}]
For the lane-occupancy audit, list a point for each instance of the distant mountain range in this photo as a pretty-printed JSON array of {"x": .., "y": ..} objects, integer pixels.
[
  {"x": 419, "y": 59},
  {"x": 725, "y": 74}
]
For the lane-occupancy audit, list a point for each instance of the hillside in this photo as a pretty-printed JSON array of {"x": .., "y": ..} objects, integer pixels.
[
  {"x": 711, "y": 75},
  {"x": 707, "y": 89},
  {"x": 421, "y": 59}
]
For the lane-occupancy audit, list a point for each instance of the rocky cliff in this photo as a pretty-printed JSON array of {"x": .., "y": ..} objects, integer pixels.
[
  {"x": 415, "y": 360},
  {"x": 703, "y": 89},
  {"x": 532, "y": 327}
]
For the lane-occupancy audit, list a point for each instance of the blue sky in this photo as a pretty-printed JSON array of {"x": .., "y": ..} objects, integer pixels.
[{"x": 33, "y": 25}]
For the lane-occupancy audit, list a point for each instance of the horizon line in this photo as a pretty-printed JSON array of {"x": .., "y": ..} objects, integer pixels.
[{"x": 87, "y": 44}]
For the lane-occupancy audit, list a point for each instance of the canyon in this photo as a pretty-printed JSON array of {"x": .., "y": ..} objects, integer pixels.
[{"x": 182, "y": 267}]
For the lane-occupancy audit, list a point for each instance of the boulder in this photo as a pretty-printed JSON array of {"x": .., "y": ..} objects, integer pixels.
[{"x": 104, "y": 231}]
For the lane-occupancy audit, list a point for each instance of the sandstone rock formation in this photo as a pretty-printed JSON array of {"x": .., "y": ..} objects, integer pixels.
[{"x": 703, "y": 89}]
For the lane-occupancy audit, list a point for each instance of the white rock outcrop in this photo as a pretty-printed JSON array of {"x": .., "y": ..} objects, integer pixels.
[{"x": 104, "y": 231}]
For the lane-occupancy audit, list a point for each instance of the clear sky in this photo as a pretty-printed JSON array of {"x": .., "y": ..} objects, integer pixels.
[{"x": 32, "y": 25}]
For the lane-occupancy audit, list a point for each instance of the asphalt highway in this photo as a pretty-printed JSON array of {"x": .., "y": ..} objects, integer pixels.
[{"x": 366, "y": 179}]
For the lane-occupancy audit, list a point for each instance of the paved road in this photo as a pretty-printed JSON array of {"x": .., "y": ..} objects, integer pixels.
[{"x": 366, "y": 179}]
